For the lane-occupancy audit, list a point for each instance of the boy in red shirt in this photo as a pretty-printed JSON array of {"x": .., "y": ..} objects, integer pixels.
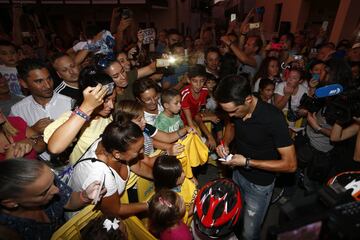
[{"x": 193, "y": 99}]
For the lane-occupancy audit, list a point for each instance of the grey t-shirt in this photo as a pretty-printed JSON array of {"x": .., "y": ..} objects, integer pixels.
[
  {"x": 244, "y": 68},
  {"x": 5, "y": 105},
  {"x": 318, "y": 140}
]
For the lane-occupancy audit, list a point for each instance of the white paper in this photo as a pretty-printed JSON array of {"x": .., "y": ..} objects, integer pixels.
[
  {"x": 228, "y": 158},
  {"x": 97, "y": 196}
]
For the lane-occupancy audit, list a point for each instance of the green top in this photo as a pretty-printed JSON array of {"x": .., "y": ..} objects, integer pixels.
[{"x": 168, "y": 124}]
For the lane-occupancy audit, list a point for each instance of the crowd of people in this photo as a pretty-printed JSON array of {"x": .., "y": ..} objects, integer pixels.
[{"x": 97, "y": 111}]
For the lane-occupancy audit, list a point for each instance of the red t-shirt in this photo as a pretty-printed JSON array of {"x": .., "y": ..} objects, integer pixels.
[
  {"x": 189, "y": 102},
  {"x": 20, "y": 125}
]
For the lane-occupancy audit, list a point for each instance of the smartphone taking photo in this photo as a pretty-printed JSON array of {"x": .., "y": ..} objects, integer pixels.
[
  {"x": 232, "y": 17},
  {"x": 254, "y": 25}
]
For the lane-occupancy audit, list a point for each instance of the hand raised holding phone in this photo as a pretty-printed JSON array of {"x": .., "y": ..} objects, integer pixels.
[{"x": 93, "y": 97}]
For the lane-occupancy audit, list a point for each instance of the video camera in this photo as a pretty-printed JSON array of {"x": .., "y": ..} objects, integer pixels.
[
  {"x": 344, "y": 107},
  {"x": 327, "y": 214},
  {"x": 341, "y": 107},
  {"x": 311, "y": 104}
]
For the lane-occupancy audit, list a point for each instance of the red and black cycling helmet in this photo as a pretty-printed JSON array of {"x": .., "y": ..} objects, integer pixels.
[{"x": 217, "y": 209}]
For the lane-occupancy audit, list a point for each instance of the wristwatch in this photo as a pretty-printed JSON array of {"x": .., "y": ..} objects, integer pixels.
[
  {"x": 318, "y": 129},
  {"x": 247, "y": 163}
]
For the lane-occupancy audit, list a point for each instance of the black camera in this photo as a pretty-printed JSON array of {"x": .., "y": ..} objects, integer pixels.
[
  {"x": 311, "y": 104},
  {"x": 344, "y": 107},
  {"x": 292, "y": 116},
  {"x": 126, "y": 13}
]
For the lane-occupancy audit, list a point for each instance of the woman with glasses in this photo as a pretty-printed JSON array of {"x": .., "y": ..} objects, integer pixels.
[
  {"x": 33, "y": 199},
  {"x": 147, "y": 92},
  {"x": 85, "y": 124}
]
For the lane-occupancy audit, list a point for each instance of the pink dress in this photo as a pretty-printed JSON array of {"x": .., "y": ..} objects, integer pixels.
[
  {"x": 20, "y": 125},
  {"x": 181, "y": 231}
]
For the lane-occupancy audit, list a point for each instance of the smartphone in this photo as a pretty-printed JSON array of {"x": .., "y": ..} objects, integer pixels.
[
  {"x": 277, "y": 46},
  {"x": 110, "y": 88},
  {"x": 97, "y": 196},
  {"x": 25, "y": 34},
  {"x": 313, "y": 50},
  {"x": 325, "y": 25},
  {"x": 254, "y": 25},
  {"x": 316, "y": 76},
  {"x": 162, "y": 62},
  {"x": 232, "y": 17},
  {"x": 126, "y": 13},
  {"x": 297, "y": 57}
]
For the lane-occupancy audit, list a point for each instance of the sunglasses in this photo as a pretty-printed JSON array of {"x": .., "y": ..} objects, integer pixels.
[{"x": 105, "y": 61}]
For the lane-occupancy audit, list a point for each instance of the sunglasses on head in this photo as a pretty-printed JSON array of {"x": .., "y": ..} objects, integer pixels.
[{"x": 105, "y": 61}]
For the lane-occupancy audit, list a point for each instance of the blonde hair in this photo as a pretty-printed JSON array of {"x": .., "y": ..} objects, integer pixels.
[{"x": 128, "y": 110}]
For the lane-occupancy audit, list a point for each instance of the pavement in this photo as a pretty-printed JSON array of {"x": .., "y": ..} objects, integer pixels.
[{"x": 210, "y": 172}]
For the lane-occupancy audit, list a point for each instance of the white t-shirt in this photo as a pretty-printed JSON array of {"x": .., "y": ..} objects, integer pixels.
[
  {"x": 11, "y": 76},
  {"x": 31, "y": 111},
  {"x": 86, "y": 172},
  {"x": 80, "y": 45},
  {"x": 295, "y": 99}
]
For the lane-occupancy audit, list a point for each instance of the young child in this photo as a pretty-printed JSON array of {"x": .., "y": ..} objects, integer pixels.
[
  {"x": 269, "y": 68},
  {"x": 168, "y": 174},
  {"x": 8, "y": 61},
  {"x": 169, "y": 120},
  {"x": 166, "y": 210},
  {"x": 266, "y": 90},
  {"x": 194, "y": 99},
  {"x": 194, "y": 95},
  {"x": 104, "y": 228},
  {"x": 129, "y": 110}
]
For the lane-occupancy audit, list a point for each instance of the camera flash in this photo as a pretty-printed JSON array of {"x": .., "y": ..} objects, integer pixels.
[{"x": 171, "y": 59}]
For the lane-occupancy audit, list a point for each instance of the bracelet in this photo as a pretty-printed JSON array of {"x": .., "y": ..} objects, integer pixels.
[
  {"x": 83, "y": 199},
  {"x": 247, "y": 163},
  {"x": 178, "y": 133},
  {"x": 81, "y": 114},
  {"x": 33, "y": 140},
  {"x": 318, "y": 129}
]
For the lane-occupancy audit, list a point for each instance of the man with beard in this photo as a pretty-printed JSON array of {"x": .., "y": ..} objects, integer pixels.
[{"x": 43, "y": 105}]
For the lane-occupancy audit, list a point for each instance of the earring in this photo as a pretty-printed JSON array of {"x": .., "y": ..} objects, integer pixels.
[{"x": 16, "y": 205}]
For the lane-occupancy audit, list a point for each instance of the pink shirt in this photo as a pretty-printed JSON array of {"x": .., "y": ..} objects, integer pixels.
[
  {"x": 181, "y": 231},
  {"x": 20, "y": 125}
]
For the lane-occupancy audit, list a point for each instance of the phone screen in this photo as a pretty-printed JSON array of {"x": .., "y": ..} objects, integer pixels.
[
  {"x": 316, "y": 76},
  {"x": 232, "y": 17},
  {"x": 324, "y": 25}
]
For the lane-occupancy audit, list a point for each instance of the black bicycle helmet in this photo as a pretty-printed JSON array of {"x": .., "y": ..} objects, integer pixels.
[{"x": 217, "y": 209}]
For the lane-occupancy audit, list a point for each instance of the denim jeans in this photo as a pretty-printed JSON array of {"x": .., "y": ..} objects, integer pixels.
[{"x": 256, "y": 199}]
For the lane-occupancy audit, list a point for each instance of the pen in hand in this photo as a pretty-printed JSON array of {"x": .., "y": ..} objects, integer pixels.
[{"x": 223, "y": 149}]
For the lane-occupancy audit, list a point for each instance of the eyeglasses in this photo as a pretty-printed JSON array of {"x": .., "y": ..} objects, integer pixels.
[{"x": 151, "y": 100}]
